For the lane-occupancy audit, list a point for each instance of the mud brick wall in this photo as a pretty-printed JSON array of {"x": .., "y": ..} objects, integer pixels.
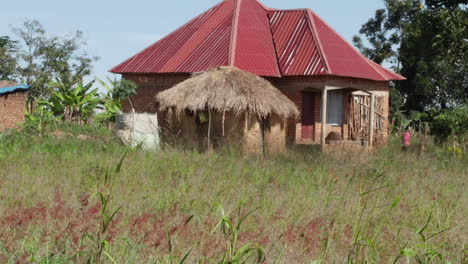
[
  {"x": 12, "y": 109},
  {"x": 149, "y": 85}
]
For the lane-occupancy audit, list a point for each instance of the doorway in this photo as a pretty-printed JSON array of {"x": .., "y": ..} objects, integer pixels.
[{"x": 308, "y": 116}]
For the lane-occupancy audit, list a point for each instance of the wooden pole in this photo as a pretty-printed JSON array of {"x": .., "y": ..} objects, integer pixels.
[
  {"x": 224, "y": 120},
  {"x": 372, "y": 120},
  {"x": 209, "y": 130},
  {"x": 262, "y": 135},
  {"x": 324, "y": 116}
]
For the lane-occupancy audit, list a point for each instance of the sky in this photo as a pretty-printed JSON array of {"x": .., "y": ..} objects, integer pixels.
[{"x": 116, "y": 30}]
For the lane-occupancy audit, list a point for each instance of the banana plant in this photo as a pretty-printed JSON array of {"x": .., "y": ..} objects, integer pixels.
[
  {"x": 111, "y": 105},
  {"x": 75, "y": 104}
]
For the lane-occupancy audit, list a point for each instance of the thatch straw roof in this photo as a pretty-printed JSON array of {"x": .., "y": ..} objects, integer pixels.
[{"x": 228, "y": 89}]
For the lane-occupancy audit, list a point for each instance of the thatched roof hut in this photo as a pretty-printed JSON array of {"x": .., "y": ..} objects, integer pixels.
[
  {"x": 228, "y": 89},
  {"x": 252, "y": 111}
]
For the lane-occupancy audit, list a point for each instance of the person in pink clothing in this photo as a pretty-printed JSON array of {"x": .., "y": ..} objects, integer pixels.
[{"x": 406, "y": 139}]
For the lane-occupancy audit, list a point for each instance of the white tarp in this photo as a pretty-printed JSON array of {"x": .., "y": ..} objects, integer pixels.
[{"x": 136, "y": 129}]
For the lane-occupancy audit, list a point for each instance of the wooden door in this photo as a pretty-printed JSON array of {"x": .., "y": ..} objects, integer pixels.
[{"x": 308, "y": 118}]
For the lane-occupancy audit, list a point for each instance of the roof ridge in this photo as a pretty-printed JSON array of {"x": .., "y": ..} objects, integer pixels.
[
  {"x": 317, "y": 39},
  {"x": 234, "y": 28},
  {"x": 265, "y": 7},
  {"x": 288, "y": 10}
]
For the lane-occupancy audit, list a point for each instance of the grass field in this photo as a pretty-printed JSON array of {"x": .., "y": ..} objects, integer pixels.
[{"x": 58, "y": 197}]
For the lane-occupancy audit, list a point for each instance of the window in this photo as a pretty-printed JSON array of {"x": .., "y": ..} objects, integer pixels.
[{"x": 335, "y": 108}]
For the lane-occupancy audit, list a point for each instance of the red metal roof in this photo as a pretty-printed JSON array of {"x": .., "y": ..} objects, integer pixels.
[
  {"x": 253, "y": 49},
  {"x": 296, "y": 48},
  {"x": 261, "y": 40},
  {"x": 342, "y": 58}
]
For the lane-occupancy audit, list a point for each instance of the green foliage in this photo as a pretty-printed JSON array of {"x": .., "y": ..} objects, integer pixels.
[
  {"x": 424, "y": 252},
  {"x": 122, "y": 89},
  {"x": 8, "y": 62},
  {"x": 117, "y": 91},
  {"x": 396, "y": 103},
  {"x": 107, "y": 215},
  {"x": 384, "y": 31},
  {"x": 42, "y": 58},
  {"x": 231, "y": 229},
  {"x": 433, "y": 58},
  {"x": 426, "y": 44},
  {"x": 111, "y": 108},
  {"x": 77, "y": 103},
  {"x": 379, "y": 38},
  {"x": 39, "y": 121},
  {"x": 451, "y": 4},
  {"x": 451, "y": 123},
  {"x": 72, "y": 104}
]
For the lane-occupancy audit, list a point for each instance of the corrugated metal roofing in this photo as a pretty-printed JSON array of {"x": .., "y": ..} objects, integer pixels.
[
  {"x": 342, "y": 58},
  {"x": 254, "y": 49},
  {"x": 297, "y": 52},
  {"x": 261, "y": 40},
  {"x": 198, "y": 45},
  {"x": 11, "y": 89}
]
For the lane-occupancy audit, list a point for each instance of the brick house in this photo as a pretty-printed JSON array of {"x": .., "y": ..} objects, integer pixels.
[
  {"x": 342, "y": 95},
  {"x": 12, "y": 104}
]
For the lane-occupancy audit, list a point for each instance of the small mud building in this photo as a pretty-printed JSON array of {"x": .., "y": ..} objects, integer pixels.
[
  {"x": 341, "y": 95},
  {"x": 12, "y": 104},
  {"x": 228, "y": 106}
]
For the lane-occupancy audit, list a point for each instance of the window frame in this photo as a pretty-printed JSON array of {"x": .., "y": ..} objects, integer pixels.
[{"x": 335, "y": 108}]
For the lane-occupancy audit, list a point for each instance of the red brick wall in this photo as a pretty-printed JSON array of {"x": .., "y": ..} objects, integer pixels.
[
  {"x": 292, "y": 87},
  {"x": 12, "y": 109},
  {"x": 293, "y": 132},
  {"x": 386, "y": 112},
  {"x": 148, "y": 86}
]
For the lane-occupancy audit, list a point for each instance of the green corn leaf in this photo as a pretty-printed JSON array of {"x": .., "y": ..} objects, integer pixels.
[
  {"x": 395, "y": 202},
  {"x": 242, "y": 252},
  {"x": 119, "y": 166}
]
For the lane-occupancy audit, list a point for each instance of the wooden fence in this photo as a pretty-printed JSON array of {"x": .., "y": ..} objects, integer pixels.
[{"x": 359, "y": 118}]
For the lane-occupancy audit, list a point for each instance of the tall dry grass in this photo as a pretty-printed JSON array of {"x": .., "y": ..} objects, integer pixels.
[{"x": 303, "y": 206}]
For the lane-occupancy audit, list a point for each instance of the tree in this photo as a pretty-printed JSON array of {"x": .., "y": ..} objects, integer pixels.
[
  {"x": 433, "y": 55},
  {"x": 426, "y": 44},
  {"x": 44, "y": 58},
  {"x": 8, "y": 65},
  {"x": 379, "y": 38},
  {"x": 385, "y": 29},
  {"x": 448, "y": 4}
]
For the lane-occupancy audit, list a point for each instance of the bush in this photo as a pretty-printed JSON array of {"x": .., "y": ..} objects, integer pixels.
[{"x": 452, "y": 123}]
